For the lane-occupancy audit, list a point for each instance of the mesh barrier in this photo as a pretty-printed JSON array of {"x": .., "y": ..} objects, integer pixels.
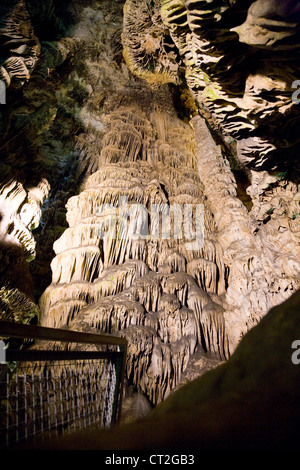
[{"x": 45, "y": 394}]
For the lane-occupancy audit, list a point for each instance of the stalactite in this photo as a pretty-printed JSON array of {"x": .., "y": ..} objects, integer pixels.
[
  {"x": 15, "y": 306},
  {"x": 106, "y": 129},
  {"x": 77, "y": 264},
  {"x": 112, "y": 314},
  {"x": 150, "y": 289},
  {"x": 63, "y": 312}
]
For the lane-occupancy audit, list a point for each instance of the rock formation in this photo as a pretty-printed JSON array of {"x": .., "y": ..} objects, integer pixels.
[
  {"x": 184, "y": 107},
  {"x": 164, "y": 297},
  {"x": 18, "y": 42},
  {"x": 249, "y": 403}
]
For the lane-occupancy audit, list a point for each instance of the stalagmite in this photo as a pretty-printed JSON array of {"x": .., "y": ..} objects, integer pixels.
[
  {"x": 172, "y": 217},
  {"x": 129, "y": 278}
]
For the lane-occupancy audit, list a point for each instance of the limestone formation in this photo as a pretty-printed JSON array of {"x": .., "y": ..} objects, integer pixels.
[
  {"x": 16, "y": 307},
  {"x": 20, "y": 210},
  {"x": 244, "y": 95},
  {"x": 19, "y": 42},
  {"x": 232, "y": 407},
  {"x": 149, "y": 50},
  {"x": 151, "y": 290},
  {"x": 123, "y": 118}
]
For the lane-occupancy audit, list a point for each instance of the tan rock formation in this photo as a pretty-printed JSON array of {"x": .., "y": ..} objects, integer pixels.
[
  {"x": 19, "y": 42},
  {"x": 249, "y": 403},
  {"x": 152, "y": 290},
  {"x": 198, "y": 117}
]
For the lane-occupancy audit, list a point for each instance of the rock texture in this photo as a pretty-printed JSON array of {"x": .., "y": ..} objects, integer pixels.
[
  {"x": 263, "y": 270},
  {"x": 241, "y": 72},
  {"x": 165, "y": 298},
  {"x": 20, "y": 47},
  {"x": 166, "y": 103},
  {"x": 249, "y": 403}
]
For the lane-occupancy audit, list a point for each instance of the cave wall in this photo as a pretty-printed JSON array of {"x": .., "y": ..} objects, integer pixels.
[{"x": 161, "y": 102}]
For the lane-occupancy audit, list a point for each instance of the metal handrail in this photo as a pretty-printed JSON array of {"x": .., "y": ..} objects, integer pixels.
[{"x": 17, "y": 330}]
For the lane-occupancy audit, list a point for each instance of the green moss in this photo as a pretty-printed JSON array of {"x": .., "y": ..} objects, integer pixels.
[
  {"x": 210, "y": 93},
  {"x": 206, "y": 78},
  {"x": 281, "y": 175},
  {"x": 30, "y": 258},
  {"x": 16, "y": 306},
  {"x": 188, "y": 103},
  {"x": 151, "y": 75}
]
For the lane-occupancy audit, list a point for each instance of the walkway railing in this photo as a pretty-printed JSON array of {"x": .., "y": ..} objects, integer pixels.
[{"x": 66, "y": 381}]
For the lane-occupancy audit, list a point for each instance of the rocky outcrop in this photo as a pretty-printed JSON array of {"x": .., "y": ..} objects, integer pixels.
[
  {"x": 16, "y": 307},
  {"x": 20, "y": 210},
  {"x": 148, "y": 48},
  {"x": 185, "y": 106},
  {"x": 20, "y": 47},
  {"x": 262, "y": 272},
  {"x": 270, "y": 22},
  {"x": 240, "y": 72},
  {"x": 241, "y": 104},
  {"x": 162, "y": 295},
  {"x": 249, "y": 403}
]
